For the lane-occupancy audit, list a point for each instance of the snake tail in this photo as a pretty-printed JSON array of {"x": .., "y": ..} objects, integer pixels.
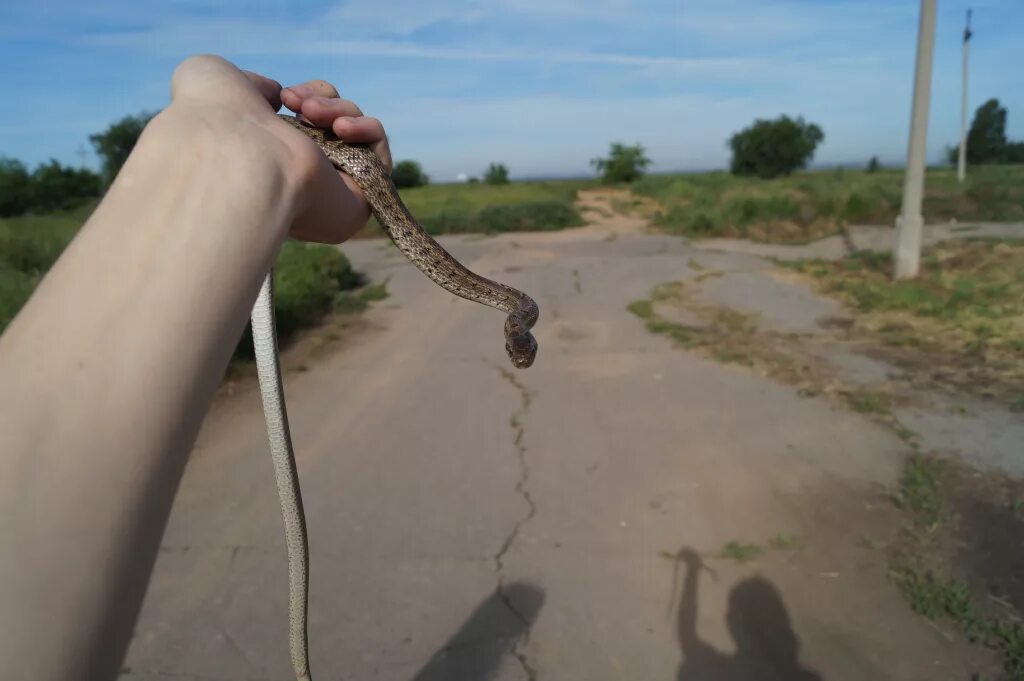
[{"x": 268, "y": 368}]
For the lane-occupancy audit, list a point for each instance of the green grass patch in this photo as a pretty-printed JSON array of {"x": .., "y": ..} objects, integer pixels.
[
  {"x": 809, "y": 205},
  {"x": 867, "y": 402},
  {"x": 786, "y": 542},
  {"x": 963, "y": 312},
  {"x": 347, "y": 302},
  {"x": 920, "y": 490},
  {"x": 939, "y": 597},
  {"x": 480, "y": 207},
  {"x": 741, "y": 552},
  {"x": 643, "y": 309}
]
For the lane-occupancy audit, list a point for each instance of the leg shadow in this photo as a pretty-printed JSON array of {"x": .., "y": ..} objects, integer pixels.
[{"x": 475, "y": 651}]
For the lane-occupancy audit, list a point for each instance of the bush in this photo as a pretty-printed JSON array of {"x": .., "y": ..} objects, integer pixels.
[
  {"x": 51, "y": 187},
  {"x": 624, "y": 164},
  {"x": 56, "y": 187},
  {"x": 114, "y": 144},
  {"x": 15, "y": 187},
  {"x": 519, "y": 217},
  {"x": 497, "y": 173},
  {"x": 408, "y": 174},
  {"x": 873, "y": 165},
  {"x": 307, "y": 278},
  {"x": 770, "y": 148}
]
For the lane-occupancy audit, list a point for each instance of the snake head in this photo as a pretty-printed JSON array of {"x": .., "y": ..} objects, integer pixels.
[{"x": 521, "y": 350}]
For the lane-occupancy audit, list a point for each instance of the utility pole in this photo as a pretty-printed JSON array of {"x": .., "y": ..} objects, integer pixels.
[
  {"x": 907, "y": 255},
  {"x": 961, "y": 165},
  {"x": 81, "y": 156}
]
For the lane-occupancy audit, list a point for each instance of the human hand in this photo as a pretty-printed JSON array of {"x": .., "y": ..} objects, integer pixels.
[{"x": 215, "y": 101}]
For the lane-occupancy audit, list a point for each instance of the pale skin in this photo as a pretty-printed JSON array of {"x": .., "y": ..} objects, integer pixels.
[{"x": 106, "y": 373}]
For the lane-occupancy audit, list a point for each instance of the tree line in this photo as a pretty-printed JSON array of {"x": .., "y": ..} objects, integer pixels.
[{"x": 767, "y": 148}]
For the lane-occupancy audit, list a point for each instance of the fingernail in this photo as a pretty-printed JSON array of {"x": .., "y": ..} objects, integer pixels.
[{"x": 300, "y": 90}]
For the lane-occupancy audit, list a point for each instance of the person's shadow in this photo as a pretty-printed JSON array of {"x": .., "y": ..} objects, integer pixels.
[
  {"x": 475, "y": 651},
  {"x": 766, "y": 646}
]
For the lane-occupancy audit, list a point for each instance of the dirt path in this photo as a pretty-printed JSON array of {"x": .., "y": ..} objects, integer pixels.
[{"x": 471, "y": 522}]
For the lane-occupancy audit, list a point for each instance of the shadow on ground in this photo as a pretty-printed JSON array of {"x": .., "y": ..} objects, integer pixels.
[
  {"x": 476, "y": 650},
  {"x": 767, "y": 648}
]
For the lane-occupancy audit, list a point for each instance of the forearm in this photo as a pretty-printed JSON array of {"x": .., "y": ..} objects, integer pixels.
[{"x": 104, "y": 379}]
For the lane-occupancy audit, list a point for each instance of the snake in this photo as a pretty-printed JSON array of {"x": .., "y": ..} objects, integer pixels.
[{"x": 374, "y": 180}]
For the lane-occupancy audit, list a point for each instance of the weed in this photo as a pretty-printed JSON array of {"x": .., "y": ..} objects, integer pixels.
[
  {"x": 784, "y": 542},
  {"x": 867, "y": 402},
  {"x": 740, "y": 552},
  {"x": 641, "y": 308},
  {"x": 921, "y": 490},
  {"x": 940, "y": 597}
]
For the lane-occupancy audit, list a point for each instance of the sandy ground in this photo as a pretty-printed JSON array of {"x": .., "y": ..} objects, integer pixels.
[{"x": 469, "y": 521}]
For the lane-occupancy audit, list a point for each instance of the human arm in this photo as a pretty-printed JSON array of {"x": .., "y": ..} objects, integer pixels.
[{"x": 107, "y": 371}]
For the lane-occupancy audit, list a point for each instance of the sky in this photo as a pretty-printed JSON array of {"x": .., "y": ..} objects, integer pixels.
[{"x": 543, "y": 86}]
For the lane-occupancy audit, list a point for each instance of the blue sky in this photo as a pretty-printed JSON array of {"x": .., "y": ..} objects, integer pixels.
[{"x": 541, "y": 85}]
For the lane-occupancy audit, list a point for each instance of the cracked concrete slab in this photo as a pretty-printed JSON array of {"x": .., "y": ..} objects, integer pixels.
[{"x": 465, "y": 525}]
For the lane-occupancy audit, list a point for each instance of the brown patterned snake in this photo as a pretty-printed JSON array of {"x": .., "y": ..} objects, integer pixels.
[{"x": 375, "y": 182}]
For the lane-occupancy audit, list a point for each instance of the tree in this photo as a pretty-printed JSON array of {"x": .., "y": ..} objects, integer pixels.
[
  {"x": 15, "y": 187},
  {"x": 56, "y": 187},
  {"x": 873, "y": 165},
  {"x": 770, "y": 148},
  {"x": 408, "y": 174},
  {"x": 986, "y": 138},
  {"x": 497, "y": 173},
  {"x": 624, "y": 164},
  {"x": 115, "y": 143}
]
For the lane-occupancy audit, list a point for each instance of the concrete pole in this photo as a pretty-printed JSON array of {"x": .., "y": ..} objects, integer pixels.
[
  {"x": 907, "y": 255},
  {"x": 961, "y": 165}
]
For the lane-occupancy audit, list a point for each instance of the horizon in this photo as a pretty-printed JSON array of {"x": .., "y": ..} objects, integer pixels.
[{"x": 542, "y": 87}]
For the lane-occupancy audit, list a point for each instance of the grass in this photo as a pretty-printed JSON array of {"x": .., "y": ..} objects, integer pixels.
[
  {"x": 921, "y": 490},
  {"x": 867, "y": 402},
  {"x": 479, "y": 207},
  {"x": 940, "y": 597},
  {"x": 809, "y": 205},
  {"x": 786, "y": 542},
  {"x": 740, "y": 552},
  {"x": 963, "y": 313},
  {"x": 28, "y": 246},
  {"x": 347, "y": 302}
]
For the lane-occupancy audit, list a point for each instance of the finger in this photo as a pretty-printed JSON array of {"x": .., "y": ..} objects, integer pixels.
[
  {"x": 361, "y": 130},
  {"x": 322, "y": 111},
  {"x": 269, "y": 88},
  {"x": 315, "y": 88},
  {"x": 365, "y": 130}
]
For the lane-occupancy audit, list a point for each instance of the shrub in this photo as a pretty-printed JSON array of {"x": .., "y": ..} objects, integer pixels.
[
  {"x": 307, "y": 278},
  {"x": 408, "y": 174},
  {"x": 873, "y": 165},
  {"x": 770, "y": 148}
]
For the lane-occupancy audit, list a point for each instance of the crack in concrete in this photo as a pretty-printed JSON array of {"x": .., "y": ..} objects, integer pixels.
[{"x": 516, "y": 423}]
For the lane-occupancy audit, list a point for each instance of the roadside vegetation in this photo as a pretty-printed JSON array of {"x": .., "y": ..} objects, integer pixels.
[
  {"x": 810, "y": 205},
  {"x": 490, "y": 208},
  {"x": 959, "y": 321}
]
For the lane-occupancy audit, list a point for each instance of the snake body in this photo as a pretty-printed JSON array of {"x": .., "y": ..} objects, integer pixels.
[{"x": 373, "y": 178}]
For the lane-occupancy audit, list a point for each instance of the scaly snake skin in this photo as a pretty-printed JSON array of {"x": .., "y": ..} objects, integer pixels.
[{"x": 374, "y": 180}]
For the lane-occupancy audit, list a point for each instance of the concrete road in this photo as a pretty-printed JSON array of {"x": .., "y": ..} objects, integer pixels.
[{"x": 473, "y": 522}]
